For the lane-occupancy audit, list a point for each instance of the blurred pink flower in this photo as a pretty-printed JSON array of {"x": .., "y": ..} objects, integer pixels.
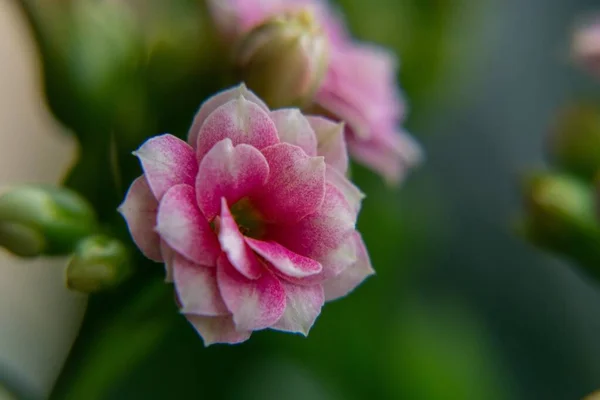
[
  {"x": 253, "y": 217},
  {"x": 359, "y": 86},
  {"x": 586, "y": 45}
]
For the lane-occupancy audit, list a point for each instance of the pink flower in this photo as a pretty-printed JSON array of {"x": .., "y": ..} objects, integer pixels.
[
  {"x": 586, "y": 45},
  {"x": 359, "y": 86},
  {"x": 253, "y": 217}
]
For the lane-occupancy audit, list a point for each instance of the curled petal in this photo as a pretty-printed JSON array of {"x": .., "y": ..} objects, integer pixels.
[
  {"x": 285, "y": 261},
  {"x": 232, "y": 242},
  {"x": 197, "y": 290},
  {"x": 181, "y": 224},
  {"x": 352, "y": 276},
  {"x": 240, "y": 120},
  {"x": 294, "y": 128},
  {"x": 215, "y": 102},
  {"x": 255, "y": 304},
  {"x": 167, "y": 161},
  {"x": 351, "y": 193},
  {"x": 296, "y": 184},
  {"x": 217, "y": 330},
  {"x": 303, "y": 306},
  {"x": 229, "y": 172},
  {"x": 330, "y": 142},
  {"x": 139, "y": 210},
  {"x": 321, "y": 232}
]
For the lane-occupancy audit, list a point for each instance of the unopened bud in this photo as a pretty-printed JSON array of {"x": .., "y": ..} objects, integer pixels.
[
  {"x": 575, "y": 144},
  {"x": 586, "y": 45},
  {"x": 560, "y": 217},
  {"x": 38, "y": 220},
  {"x": 98, "y": 263},
  {"x": 284, "y": 60},
  {"x": 593, "y": 396}
]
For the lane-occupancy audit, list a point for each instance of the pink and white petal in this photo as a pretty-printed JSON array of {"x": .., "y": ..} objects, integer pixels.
[
  {"x": 330, "y": 142},
  {"x": 296, "y": 184},
  {"x": 285, "y": 261},
  {"x": 333, "y": 263},
  {"x": 232, "y": 242},
  {"x": 303, "y": 306},
  {"x": 392, "y": 154},
  {"x": 352, "y": 276},
  {"x": 217, "y": 330},
  {"x": 197, "y": 290},
  {"x": 229, "y": 172},
  {"x": 168, "y": 255},
  {"x": 139, "y": 210},
  {"x": 215, "y": 102},
  {"x": 255, "y": 304},
  {"x": 181, "y": 224},
  {"x": 294, "y": 128},
  {"x": 240, "y": 120},
  {"x": 321, "y": 232},
  {"x": 167, "y": 161},
  {"x": 353, "y": 194}
]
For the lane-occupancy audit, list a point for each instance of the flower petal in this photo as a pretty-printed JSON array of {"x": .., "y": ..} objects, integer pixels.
[
  {"x": 215, "y": 102},
  {"x": 181, "y": 224},
  {"x": 303, "y": 306},
  {"x": 217, "y": 330},
  {"x": 321, "y": 232},
  {"x": 296, "y": 184},
  {"x": 232, "y": 242},
  {"x": 240, "y": 120},
  {"x": 353, "y": 195},
  {"x": 285, "y": 261},
  {"x": 139, "y": 210},
  {"x": 330, "y": 142},
  {"x": 352, "y": 276},
  {"x": 391, "y": 154},
  {"x": 294, "y": 128},
  {"x": 167, "y": 161},
  {"x": 197, "y": 289},
  {"x": 229, "y": 172},
  {"x": 255, "y": 304}
]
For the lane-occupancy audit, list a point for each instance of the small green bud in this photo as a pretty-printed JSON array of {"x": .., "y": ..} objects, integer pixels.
[
  {"x": 575, "y": 144},
  {"x": 560, "y": 217},
  {"x": 37, "y": 220},
  {"x": 284, "y": 60},
  {"x": 98, "y": 263}
]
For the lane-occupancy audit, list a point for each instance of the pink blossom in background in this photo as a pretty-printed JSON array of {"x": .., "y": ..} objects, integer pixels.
[
  {"x": 359, "y": 87},
  {"x": 253, "y": 217},
  {"x": 586, "y": 45}
]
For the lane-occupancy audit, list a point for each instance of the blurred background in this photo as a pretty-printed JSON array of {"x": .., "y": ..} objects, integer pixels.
[{"x": 460, "y": 308}]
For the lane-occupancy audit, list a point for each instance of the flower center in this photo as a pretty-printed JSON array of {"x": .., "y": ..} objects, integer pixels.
[{"x": 248, "y": 219}]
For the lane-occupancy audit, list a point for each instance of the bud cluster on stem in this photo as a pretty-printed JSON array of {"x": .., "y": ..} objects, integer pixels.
[{"x": 45, "y": 220}]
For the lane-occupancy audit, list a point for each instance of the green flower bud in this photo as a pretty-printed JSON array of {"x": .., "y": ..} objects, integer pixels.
[
  {"x": 575, "y": 145},
  {"x": 560, "y": 217},
  {"x": 284, "y": 60},
  {"x": 38, "y": 220},
  {"x": 98, "y": 263}
]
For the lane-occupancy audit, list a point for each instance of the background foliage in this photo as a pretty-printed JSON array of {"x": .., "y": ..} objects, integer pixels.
[{"x": 459, "y": 309}]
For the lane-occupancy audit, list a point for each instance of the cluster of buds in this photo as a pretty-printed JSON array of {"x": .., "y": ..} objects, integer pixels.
[
  {"x": 51, "y": 221},
  {"x": 562, "y": 206}
]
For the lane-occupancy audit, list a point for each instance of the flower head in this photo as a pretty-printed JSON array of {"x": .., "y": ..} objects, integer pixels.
[
  {"x": 253, "y": 217},
  {"x": 359, "y": 86}
]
